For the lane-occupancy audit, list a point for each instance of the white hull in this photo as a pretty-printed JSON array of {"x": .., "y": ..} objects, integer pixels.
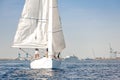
[{"x": 45, "y": 63}]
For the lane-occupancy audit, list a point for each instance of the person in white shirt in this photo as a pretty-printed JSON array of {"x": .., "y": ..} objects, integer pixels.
[{"x": 37, "y": 55}]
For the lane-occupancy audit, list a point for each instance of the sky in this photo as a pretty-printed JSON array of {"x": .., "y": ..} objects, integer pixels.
[{"x": 89, "y": 27}]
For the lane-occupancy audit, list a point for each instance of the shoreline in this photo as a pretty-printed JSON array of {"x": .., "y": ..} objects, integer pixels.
[
  {"x": 7, "y": 58},
  {"x": 80, "y": 59}
]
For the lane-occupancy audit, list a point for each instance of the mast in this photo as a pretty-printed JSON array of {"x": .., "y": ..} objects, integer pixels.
[
  {"x": 50, "y": 25},
  {"x": 111, "y": 51}
]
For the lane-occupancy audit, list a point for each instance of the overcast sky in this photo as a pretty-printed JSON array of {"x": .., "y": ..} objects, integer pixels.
[{"x": 87, "y": 24}]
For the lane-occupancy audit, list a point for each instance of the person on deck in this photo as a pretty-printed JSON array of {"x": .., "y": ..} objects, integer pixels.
[
  {"x": 58, "y": 56},
  {"x": 54, "y": 56},
  {"x": 46, "y": 54},
  {"x": 37, "y": 55}
]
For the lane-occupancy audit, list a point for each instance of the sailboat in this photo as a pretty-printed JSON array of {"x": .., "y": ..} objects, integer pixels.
[{"x": 40, "y": 27}]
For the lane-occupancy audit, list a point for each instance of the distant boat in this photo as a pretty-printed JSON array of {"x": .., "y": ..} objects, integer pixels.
[
  {"x": 40, "y": 27},
  {"x": 72, "y": 59},
  {"x": 88, "y": 59}
]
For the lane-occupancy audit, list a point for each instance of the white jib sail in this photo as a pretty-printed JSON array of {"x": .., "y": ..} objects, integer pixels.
[
  {"x": 33, "y": 28},
  {"x": 58, "y": 38}
]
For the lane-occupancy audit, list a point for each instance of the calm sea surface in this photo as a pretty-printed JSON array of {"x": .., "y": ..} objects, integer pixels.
[{"x": 70, "y": 70}]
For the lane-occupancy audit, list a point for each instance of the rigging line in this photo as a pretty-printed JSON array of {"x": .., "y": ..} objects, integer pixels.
[{"x": 25, "y": 51}]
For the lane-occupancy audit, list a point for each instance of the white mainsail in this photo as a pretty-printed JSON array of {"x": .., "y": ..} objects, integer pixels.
[{"x": 34, "y": 31}]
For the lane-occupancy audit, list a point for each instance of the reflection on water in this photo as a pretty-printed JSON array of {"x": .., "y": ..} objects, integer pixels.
[{"x": 42, "y": 74}]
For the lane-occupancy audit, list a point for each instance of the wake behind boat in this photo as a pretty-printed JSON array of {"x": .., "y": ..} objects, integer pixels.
[{"x": 40, "y": 27}]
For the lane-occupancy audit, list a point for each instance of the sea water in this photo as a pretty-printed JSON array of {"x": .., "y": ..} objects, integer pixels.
[{"x": 69, "y": 70}]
